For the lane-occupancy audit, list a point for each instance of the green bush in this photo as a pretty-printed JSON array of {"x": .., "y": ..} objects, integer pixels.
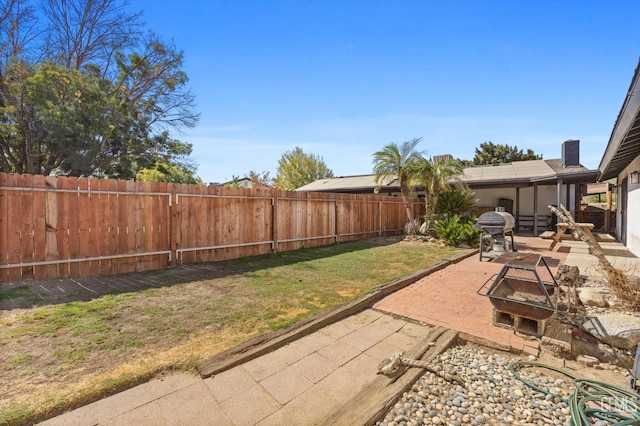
[
  {"x": 454, "y": 230},
  {"x": 457, "y": 202}
]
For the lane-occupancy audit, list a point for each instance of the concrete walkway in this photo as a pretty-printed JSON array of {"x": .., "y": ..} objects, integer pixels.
[
  {"x": 305, "y": 381},
  {"x": 299, "y": 384}
]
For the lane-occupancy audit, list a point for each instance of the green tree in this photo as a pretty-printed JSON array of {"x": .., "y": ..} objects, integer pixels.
[
  {"x": 465, "y": 163},
  {"x": 296, "y": 169},
  {"x": 173, "y": 173},
  {"x": 258, "y": 180},
  {"x": 490, "y": 153},
  {"x": 90, "y": 96},
  {"x": 234, "y": 182},
  {"x": 261, "y": 179},
  {"x": 397, "y": 162},
  {"x": 435, "y": 178},
  {"x": 69, "y": 116}
]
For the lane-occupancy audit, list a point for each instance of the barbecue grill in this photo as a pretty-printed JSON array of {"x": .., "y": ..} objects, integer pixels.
[{"x": 496, "y": 227}]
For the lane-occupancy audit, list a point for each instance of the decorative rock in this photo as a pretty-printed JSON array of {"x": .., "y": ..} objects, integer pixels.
[
  {"x": 587, "y": 360},
  {"x": 490, "y": 395},
  {"x": 613, "y": 326},
  {"x": 567, "y": 275},
  {"x": 591, "y": 297}
]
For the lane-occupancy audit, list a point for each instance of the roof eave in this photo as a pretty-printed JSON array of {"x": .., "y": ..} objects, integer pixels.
[{"x": 626, "y": 117}]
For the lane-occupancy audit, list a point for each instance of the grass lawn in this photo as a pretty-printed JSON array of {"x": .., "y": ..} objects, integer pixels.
[{"x": 55, "y": 356}]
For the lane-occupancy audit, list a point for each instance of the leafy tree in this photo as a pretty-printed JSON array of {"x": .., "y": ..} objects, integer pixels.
[
  {"x": 296, "y": 169},
  {"x": 490, "y": 153},
  {"x": 84, "y": 92},
  {"x": 397, "y": 161},
  {"x": 172, "y": 164},
  {"x": 234, "y": 182},
  {"x": 435, "y": 178},
  {"x": 261, "y": 179},
  {"x": 173, "y": 173},
  {"x": 68, "y": 118},
  {"x": 464, "y": 163}
]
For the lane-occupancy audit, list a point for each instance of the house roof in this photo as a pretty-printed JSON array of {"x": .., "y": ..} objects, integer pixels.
[
  {"x": 624, "y": 143},
  {"x": 510, "y": 172},
  {"x": 525, "y": 173},
  {"x": 356, "y": 183},
  {"x": 518, "y": 173}
]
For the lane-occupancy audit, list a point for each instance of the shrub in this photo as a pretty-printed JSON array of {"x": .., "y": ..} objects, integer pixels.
[
  {"x": 458, "y": 202},
  {"x": 454, "y": 230}
]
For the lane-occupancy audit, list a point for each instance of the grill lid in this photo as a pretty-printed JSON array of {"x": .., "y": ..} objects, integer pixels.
[{"x": 497, "y": 219}]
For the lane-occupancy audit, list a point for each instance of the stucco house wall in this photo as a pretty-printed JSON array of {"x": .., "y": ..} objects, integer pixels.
[
  {"x": 547, "y": 194},
  {"x": 632, "y": 231}
]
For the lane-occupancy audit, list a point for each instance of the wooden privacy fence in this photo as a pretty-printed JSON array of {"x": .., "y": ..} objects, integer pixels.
[{"x": 57, "y": 227}]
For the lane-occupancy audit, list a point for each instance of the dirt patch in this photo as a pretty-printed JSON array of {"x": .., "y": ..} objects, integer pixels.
[{"x": 602, "y": 372}]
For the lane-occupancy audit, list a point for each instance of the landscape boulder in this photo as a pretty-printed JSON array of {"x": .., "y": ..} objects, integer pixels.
[
  {"x": 618, "y": 329},
  {"x": 591, "y": 297}
]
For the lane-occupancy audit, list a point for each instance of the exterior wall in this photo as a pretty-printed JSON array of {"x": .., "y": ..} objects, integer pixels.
[
  {"x": 633, "y": 209},
  {"x": 547, "y": 194},
  {"x": 491, "y": 196}
]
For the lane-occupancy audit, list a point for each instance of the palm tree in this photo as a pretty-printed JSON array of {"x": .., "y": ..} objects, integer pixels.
[
  {"x": 395, "y": 161},
  {"x": 435, "y": 178}
]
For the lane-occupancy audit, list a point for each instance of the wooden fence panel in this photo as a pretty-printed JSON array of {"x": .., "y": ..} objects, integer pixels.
[
  {"x": 262, "y": 225},
  {"x": 145, "y": 215},
  {"x": 314, "y": 221},
  {"x": 56, "y": 227},
  {"x": 162, "y": 224},
  {"x": 25, "y": 182},
  {"x": 113, "y": 224},
  {"x": 4, "y": 227},
  {"x": 73, "y": 226},
  {"x": 101, "y": 231},
  {"x": 84, "y": 226},
  {"x": 228, "y": 224},
  {"x": 136, "y": 240},
  {"x": 202, "y": 232},
  {"x": 62, "y": 228},
  {"x": 93, "y": 229},
  {"x": 126, "y": 222},
  {"x": 189, "y": 236},
  {"x": 14, "y": 245},
  {"x": 39, "y": 212}
]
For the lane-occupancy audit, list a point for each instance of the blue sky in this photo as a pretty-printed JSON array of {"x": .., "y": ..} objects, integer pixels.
[{"x": 341, "y": 79}]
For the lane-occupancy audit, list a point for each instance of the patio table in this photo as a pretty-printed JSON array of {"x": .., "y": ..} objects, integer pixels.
[{"x": 562, "y": 227}]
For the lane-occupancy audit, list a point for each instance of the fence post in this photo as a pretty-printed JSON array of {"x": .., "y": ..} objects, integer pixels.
[
  {"x": 380, "y": 218},
  {"x": 335, "y": 221},
  {"x": 274, "y": 223},
  {"x": 174, "y": 220}
]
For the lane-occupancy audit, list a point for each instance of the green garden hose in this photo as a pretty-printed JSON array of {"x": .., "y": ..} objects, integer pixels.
[{"x": 591, "y": 399}]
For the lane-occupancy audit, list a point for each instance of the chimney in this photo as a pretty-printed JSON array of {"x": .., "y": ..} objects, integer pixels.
[
  {"x": 571, "y": 153},
  {"x": 440, "y": 158}
]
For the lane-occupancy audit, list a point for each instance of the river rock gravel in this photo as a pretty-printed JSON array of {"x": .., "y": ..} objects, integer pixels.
[{"x": 490, "y": 394}]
